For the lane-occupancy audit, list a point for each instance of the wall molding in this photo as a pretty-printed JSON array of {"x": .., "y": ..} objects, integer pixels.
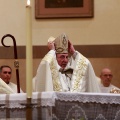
[{"x": 90, "y": 51}]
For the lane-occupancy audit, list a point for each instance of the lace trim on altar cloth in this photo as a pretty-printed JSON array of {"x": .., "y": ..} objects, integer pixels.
[
  {"x": 21, "y": 104},
  {"x": 13, "y": 118},
  {"x": 89, "y": 97},
  {"x": 16, "y": 100},
  {"x": 48, "y": 99}
]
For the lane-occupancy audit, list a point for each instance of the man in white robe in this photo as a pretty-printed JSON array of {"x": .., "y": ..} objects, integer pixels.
[
  {"x": 7, "y": 87},
  {"x": 65, "y": 70},
  {"x": 4, "y": 88},
  {"x": 105, "y": 81}
]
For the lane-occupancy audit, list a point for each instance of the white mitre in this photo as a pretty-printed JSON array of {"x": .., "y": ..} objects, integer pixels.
[
  {"x": 61, "y": 43},
  {"x": 4, "y": 88},
  {"x": 51, "y": 39}
]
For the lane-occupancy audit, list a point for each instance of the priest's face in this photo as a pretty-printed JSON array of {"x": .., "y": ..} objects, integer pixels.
[
  {"x": 62, "y": 60},
  {"x": 106, "y": 77},
  {"x": 5, "y": 74}
]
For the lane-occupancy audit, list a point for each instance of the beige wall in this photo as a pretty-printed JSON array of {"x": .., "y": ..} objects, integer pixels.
[
  {"x": 112, "y": 63},
  {"x": 103, "y": 28},
  {"x": 98, "y": 64},
  {"x": 22, "y": 70}
]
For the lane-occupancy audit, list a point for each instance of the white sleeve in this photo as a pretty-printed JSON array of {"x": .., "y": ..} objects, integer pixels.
[
  {"x": 93, "y": 85},
  {"x": 43, "y": 78},
  {"x": 4, "y": 88}
]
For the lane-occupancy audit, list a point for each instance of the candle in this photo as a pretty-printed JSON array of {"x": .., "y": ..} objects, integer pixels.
[{"x": 29, "y": 57}]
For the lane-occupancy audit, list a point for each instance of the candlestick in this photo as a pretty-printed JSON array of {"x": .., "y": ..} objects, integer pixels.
[{"x": 29, "y": 56}]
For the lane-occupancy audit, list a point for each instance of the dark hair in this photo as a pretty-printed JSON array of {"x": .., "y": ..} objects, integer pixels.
[{"x": 3, "y": 66}]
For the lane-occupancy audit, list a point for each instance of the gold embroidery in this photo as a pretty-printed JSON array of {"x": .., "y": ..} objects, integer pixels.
[
  {"x": 79, "y": 72},
  {"x": 115, "y": 90},
  {"x": 55, "y": 76}
]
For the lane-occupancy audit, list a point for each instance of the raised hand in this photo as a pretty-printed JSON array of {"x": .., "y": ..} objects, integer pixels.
[
  {"x": 71, "y": 49},
  {"x": 51, "y": 45}
]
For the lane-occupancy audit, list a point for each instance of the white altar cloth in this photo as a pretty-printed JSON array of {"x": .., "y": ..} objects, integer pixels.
[
  {"x": 48, "y": 98},
  {"x": 67, "y": 96},
  {"x": 62, "y": 106}
]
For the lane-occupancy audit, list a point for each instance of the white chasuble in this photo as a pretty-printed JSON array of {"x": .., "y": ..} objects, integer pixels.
[{"x": 48, "y": 77}]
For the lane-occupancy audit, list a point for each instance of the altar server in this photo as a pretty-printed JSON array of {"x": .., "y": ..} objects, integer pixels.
[
  {"x": 7, "y": 87},
  {"x": 105, "y": 81}
]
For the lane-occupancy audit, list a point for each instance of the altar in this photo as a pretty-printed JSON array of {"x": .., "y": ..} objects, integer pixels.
[{"x": 60, "y": 106}]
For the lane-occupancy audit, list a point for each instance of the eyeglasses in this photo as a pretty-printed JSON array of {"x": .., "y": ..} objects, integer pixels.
[
  {"x": 5, "y": 72},
  {"x": 106, "y": 75}
]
